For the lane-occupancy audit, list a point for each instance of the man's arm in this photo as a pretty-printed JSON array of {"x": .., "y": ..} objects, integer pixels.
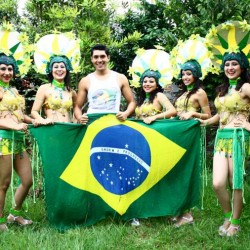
[
  {"x": 128, "y": 95},
  {"x": 80, "y": 100}
]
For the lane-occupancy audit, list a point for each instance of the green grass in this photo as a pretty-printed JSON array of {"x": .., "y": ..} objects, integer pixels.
[{"x": 154, "y": 233}]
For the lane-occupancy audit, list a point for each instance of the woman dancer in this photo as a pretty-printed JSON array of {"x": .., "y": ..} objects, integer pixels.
[
  {"x": 56, "y": 55},
  {"x": 152, "y": 103},
  {"x": 232, "y": 139},
  {"x": 191, "y": 103},
  {"x": 13, "y": 124},
  {"x": 56, "y": 97}
]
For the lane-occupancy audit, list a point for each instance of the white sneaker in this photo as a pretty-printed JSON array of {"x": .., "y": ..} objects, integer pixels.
[{"x": 135, "y": 222}]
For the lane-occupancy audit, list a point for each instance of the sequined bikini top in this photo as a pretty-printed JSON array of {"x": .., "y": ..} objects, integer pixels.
[
  {"x": 180, "y": 105},
  {"x": 58, "y": 102},
  {"x": 12, "y": 102},
  {"x": 146, "y": 110},
  {"x": 231, "y": 104}
]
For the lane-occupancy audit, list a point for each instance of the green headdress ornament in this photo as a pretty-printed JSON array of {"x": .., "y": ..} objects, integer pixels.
[
  {"x": 240, "y": 57},
  {"x": 192, "y": 65},
  {"x": 58, "y": 59},
  {"x": 229, "y": 41},
  {"x": 151, "y": 73},
  {"x": 9, "y": 60}
]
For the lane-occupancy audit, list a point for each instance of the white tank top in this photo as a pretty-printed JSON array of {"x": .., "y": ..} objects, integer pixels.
[{"x": 104, "y": 96}]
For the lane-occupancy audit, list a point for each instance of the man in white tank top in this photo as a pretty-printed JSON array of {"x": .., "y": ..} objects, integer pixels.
[{"x": 103, "y": 89}]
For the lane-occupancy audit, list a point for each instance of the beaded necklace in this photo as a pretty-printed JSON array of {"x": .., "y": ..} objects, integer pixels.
[
  {"x": 232, "y": 85},
  {"x": 147, "y": 98},
  {"x": 4, "y": 85},
  {"x": 59, "y": 86},
  {"x": 190, "y": 87}
]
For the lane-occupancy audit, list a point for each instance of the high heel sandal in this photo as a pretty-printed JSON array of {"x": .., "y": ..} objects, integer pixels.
[
  {"x": 233, "y": 230},
  {"x": 16, "y": 217},
  {"x": 183, "y": 220},
  {"x": 223, "y": 228},
  {"x": 3, "y": 226}
]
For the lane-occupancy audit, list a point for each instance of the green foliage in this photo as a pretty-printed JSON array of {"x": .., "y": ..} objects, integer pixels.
[
  {"x": 87, "y": 19},
  {"x": 8, "y": 11},
  {"x": 166, "y": 22}
]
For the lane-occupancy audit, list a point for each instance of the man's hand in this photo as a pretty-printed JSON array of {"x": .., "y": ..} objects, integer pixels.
[
  {"x": 83, "y": 119},
  {"x": 121, "y": 116}
]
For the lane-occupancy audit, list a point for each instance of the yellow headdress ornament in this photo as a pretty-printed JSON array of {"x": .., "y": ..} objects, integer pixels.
[
  {"x": 50, "y": 48},
  {"x": 229, "y": 38},
  {"x": 151, "y": 60},
  {"x": 14, "y": 45},
  {"x": 185, "y": 55}
]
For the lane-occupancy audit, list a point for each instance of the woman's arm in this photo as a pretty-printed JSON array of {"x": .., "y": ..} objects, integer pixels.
[
  {"x": 37, "y": 105},
  {"x": 203, "y": 105},
  {"x": 11, "y": 125},
  {"x": 210, "y": 121},
  {"x": 166, "y": 105}
]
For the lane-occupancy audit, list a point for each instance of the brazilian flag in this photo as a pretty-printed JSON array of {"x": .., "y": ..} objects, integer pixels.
[{"x": 120, "y": 169}]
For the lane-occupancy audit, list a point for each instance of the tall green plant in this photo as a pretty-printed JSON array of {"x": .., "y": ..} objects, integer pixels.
[{"x": 8, "y": 11}]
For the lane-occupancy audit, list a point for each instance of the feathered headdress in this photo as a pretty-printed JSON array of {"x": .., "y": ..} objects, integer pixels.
[
  {"x": 229, "y": 39},
  {"x": 193, "y": 55},
  {"x": 154, "y": 62},
  {"x": 53, "y": 48},
  {"x": 15, "y": 49}
]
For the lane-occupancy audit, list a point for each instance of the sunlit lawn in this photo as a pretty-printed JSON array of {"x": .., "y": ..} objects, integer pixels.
[{"x": 154, "y": 233}]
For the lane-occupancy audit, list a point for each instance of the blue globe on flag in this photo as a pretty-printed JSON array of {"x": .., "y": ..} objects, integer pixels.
[{"x": 120, "y": 158}]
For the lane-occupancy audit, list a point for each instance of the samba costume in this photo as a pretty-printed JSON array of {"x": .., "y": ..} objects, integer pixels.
[
  {"x": 145, "y": 110},
  {"x": 58, "y": 48},
  {"x": 230, "y": 42},
  {"x": 192, "y": 55},
  {"x": 14, "y": 52},
  {"x": 148, "y": 63},
  {"x": 181, "y": 105},
  {"x": 11, "y": 103}
]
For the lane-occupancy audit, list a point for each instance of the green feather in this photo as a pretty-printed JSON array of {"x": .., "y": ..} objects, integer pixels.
[
  {"x": 223, "y": 42},
  {"x": 14, "y": 48},
  {"x": 244, "y": 42}
]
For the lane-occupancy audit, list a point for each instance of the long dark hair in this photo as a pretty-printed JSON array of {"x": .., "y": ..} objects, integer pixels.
[
  {"x": 183, "y": 88},
  {"x": 152, "y": 95},
  {"x": 222, "y": 89},
  {"x": 67, "y": 80}
]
